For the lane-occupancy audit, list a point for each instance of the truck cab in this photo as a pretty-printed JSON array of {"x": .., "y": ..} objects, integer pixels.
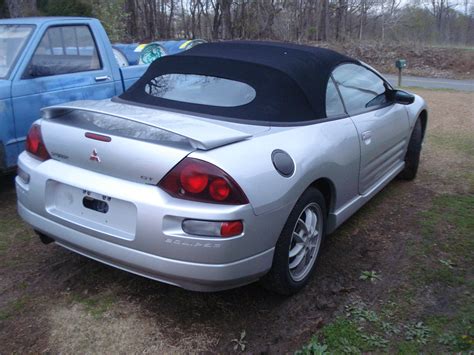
[{"x": 46, "y": 61}]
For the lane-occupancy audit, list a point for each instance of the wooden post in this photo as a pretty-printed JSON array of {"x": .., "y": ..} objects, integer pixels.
[{"x": 400, "y": 64}]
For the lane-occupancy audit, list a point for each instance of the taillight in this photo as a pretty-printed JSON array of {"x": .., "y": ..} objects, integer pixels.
[
  {"x": 230, "y": 229},
  {"x": 197, "y": 180},
  {"x": 35, "y": 144}
]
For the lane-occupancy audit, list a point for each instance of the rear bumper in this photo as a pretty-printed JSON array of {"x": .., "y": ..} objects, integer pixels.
[
  {"x": 153, "y": 244},
  {"x": 188, "y": 275}
]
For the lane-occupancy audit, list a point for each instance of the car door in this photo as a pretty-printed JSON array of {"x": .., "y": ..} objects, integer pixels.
[
  {"x": 66, "y": 65},
  {"x": 382, "y": 125}
]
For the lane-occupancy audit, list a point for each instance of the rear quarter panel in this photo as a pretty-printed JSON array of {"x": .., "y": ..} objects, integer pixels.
[{"x": 324, "y": 150}]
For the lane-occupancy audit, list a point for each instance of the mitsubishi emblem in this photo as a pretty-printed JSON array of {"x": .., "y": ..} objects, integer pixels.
[{"x": 94, "y": 156}]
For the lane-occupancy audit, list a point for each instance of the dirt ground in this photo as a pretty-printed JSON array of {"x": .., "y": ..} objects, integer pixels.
[
  {"x": 425, "y": 61},
  {"x": 398, "y": 276}
]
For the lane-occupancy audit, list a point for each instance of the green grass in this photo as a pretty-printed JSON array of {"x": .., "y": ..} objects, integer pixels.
[
  {"x": 454, "y": 332},
  {"x": 407, "y": 347},
  {"x": 445, "y": 259},
  {"x": 12, "y": 231},
  {"x": 16, "y": 237},
  {"x": 463, "y": 143},
  {"x": 455, "y": 46},
  {"x": 96, "y": 305},
  {"x": 359, "y": 219},
  {"x": 452, "y": 216},
  {"x": 342, "y": 334},
  {"x": 13, "y": 308},
  {"x": 352, "y": 334},
  {"x": 13, "y": 234},
  {"x": 441, "y": 260},
  {"x": 415, "y": 88},
  {"x": 340, "y": 337}
]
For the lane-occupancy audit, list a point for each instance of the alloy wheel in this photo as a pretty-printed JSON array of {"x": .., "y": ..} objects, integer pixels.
[{"x": 305, "y": 241}]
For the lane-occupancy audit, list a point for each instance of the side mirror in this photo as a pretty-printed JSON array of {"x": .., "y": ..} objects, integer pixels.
[{"x": 403, "y": 97}]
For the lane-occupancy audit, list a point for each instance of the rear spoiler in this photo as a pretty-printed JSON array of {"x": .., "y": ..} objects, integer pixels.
[{"x": 201, "y": 133}]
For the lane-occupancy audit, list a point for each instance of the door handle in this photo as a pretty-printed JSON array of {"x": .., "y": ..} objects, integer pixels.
[
  {"x": 102, "y": 78},
  {"x": 366, "y": 137}
]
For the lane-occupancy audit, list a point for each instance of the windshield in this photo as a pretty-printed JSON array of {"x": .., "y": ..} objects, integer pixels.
[{"x": 12, "y": 41}]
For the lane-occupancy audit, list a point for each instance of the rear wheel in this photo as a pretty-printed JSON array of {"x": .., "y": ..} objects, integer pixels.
[
  {"x": 298, "y": 245},
  {"x": 412, "y": 157}
]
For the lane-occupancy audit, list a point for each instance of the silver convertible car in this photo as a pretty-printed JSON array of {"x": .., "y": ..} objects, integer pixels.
[{"x": 222, "y": 165}]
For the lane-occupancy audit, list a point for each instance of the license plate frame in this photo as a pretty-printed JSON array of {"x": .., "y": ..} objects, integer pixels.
[{"x": 67, "y": 202}]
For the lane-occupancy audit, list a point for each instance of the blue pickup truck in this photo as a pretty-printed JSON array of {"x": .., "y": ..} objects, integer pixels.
[{"x": 50, "y": 60}]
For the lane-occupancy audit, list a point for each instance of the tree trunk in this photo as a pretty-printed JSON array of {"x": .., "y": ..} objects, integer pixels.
[
  {"x": 362, "y": 17},
  {"x": 325, "y": 21},
  {"x": 216, "y": 23},
  {"x": 340, "y": 15},
  {"x": 131, "y": 9},
  {"x": 382, "y": 9},
  {"x": 169, "y": 25},
  {"x": 226, "y": 18},
  {"x": 22, "y": 8}
]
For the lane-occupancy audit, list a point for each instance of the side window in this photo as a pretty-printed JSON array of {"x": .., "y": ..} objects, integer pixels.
[
  {"x": 360, "y": 88},
  {"x": 63, "y": 50},
  {"x": 334, "y": 106}
]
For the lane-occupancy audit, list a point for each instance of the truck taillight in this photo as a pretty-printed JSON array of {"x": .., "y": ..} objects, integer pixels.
[
  {"x": 197, "y": 180},
  {"x": 35, "y": 144}
]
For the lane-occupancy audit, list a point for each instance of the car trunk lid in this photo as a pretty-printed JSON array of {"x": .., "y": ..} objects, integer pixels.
[{"x": 134, "y": 143}]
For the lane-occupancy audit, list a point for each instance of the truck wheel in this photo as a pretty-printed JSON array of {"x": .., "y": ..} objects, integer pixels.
[
  {"x": 298, "y": 245},
  {"x": 412, "y": 157}
]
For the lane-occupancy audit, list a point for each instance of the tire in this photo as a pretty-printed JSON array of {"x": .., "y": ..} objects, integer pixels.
[
  {"x": 284, "y": 278},
  {"x": 412, "y": 157}
]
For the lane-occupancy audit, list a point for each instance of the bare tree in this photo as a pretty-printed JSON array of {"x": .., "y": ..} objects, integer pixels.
[
  {"x": 22, "y": 8},
  {"x": 441, "y": 21}
]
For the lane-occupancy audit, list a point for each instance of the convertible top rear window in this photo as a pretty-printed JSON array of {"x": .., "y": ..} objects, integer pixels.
[
  {"x": 200, "y": 89},
  {"x": 241, "y": 80}
]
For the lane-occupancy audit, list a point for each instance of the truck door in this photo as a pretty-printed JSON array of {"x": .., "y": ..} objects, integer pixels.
[{"x": 65, "y": 66}]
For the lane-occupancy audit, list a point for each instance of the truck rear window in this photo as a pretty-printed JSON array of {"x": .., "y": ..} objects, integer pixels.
[{"x": 64, "y": 50}]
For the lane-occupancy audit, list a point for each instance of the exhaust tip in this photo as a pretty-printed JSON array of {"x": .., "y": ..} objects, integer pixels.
[{"x": 44, "y": 238}]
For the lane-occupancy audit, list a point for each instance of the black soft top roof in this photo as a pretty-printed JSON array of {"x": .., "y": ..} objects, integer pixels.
[{"x": 290, "y": 80}]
